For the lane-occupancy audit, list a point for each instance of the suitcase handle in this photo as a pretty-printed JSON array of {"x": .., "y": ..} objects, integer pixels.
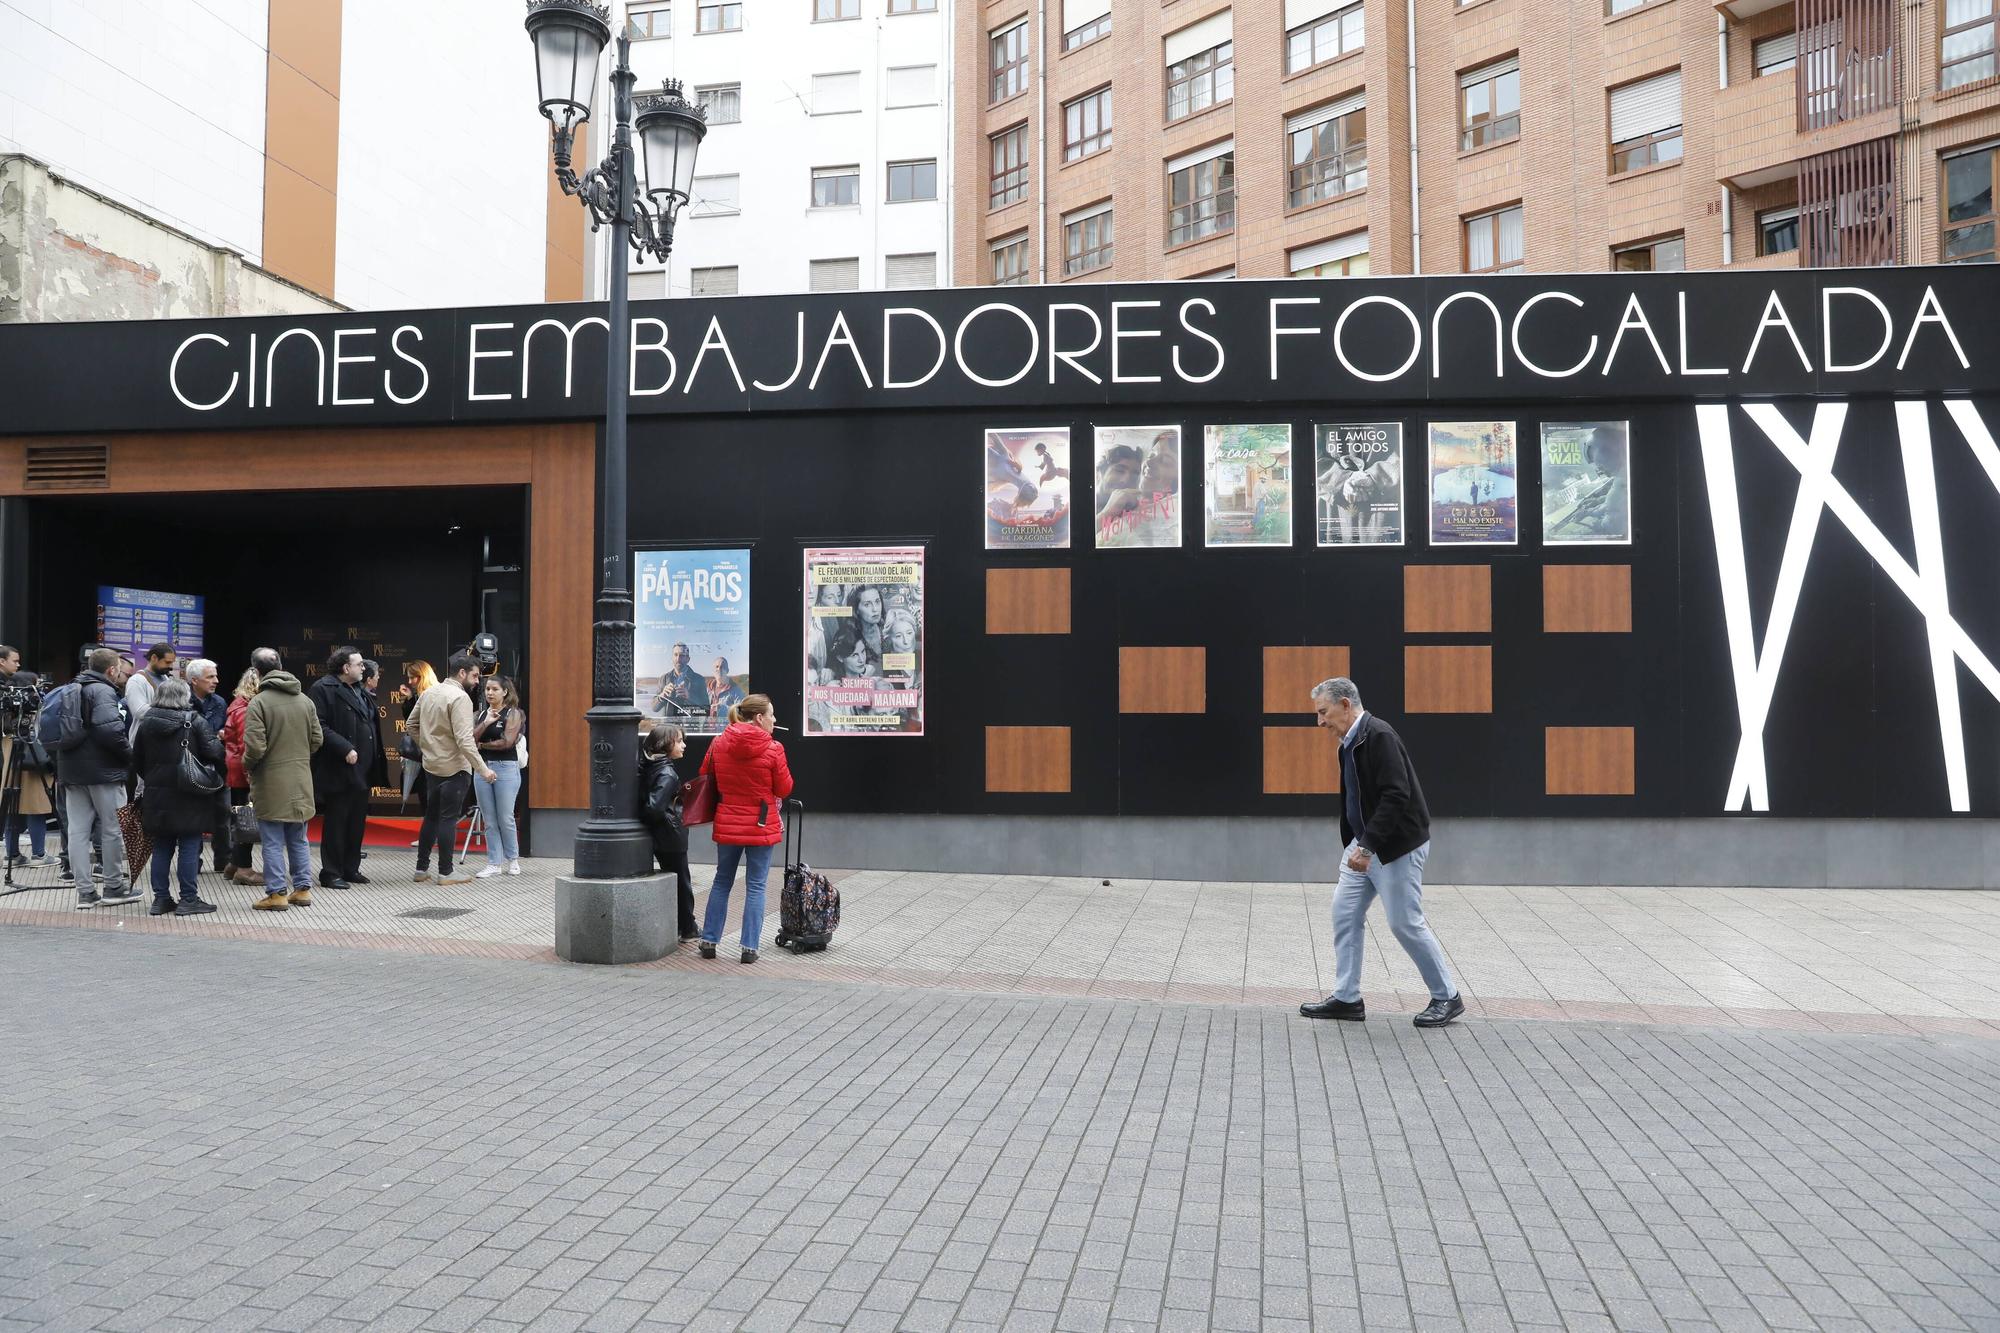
[{"x": 796, "y": 827}]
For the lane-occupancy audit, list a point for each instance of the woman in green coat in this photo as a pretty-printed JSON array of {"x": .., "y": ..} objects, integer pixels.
[{"x": 281, "y": 732}]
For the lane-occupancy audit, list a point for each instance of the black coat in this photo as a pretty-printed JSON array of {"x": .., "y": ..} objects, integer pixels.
[
  {"x": 349, "y": 728},
  {"x": 659, "y": 794},
  {"x": 165, "y": 808},
  {"x": 1392, "y": 803},
  {"x": 94, "y": 750}
]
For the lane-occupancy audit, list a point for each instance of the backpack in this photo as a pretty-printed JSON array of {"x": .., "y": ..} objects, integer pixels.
[{"x": 57, "y": 710}]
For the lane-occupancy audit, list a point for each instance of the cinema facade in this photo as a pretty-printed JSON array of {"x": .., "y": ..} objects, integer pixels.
[{"x": 1666, "y": 578}]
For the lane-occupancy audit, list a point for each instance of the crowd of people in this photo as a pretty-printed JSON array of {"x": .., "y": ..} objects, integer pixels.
[{"x": 159, "y": 754}]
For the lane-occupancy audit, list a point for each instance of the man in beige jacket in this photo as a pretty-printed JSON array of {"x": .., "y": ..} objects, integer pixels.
[{"x": 443, "y": 726}]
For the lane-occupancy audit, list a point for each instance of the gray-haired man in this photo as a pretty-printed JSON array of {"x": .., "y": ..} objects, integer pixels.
[{"x": 1385, "y": 831}]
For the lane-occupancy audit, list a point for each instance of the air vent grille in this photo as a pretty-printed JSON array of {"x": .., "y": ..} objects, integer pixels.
[{"x": 68, "y": 467}]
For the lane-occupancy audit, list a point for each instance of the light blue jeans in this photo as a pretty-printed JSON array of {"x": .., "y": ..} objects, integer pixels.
[
  {"x": 285, "y": 844},
  {"x": 1400, "y": 885},
  {"x": 496, "y": 808},
  {"x": 756, "y": 871}
]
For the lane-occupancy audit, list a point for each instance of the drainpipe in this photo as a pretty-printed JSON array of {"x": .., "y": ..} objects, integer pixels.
[
  {"x": 1721, "y": 50},
  {"x": 1040, "y": 139},
  {"x": 1416, "y": 191},
  {"x": 1728, "y": 229}
]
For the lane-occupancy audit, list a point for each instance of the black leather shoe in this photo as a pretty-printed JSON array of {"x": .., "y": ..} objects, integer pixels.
[
  {"x": 356, "y": 878},
  {"x": 1352, "y": 1010},
  {"x": 1440, "y": 1013},
  {"x": 335, "y": 883}
]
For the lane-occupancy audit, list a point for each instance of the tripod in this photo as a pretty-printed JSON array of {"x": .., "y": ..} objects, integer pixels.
[{"x": 13, "y": 774}]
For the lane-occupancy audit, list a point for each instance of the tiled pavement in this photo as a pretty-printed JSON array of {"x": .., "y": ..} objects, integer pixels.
[
  {"x": 213, "y": 1135},
  {"x": 1838, "y": 960}
]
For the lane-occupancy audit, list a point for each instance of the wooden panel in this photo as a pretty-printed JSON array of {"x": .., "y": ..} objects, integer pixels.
[
  {"x": 1300, "y": 761},
  {"x": 298, "y": 228},
  {"x": 1027, "y": 601},
  {"x": 305, "y": 34},
  {"x": 1586, "y": 599},
  {"x": 306, "y": 137},
  {"x": 1589, "y": 761},
  {"x": 1291, "y": 672},
  {"x": 1447, "y": 680},
  {"x": 562, "y": 592},
  {"x": 1163, "y": 680},
  {"x": 565, "y": 225},
  {"x": 302, "y": 141},
  {"x": 1027, "y": 759},
  {"x": 1447, "y": 599}
]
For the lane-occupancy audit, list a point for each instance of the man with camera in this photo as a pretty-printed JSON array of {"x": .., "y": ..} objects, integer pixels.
[
  {"x": 93, "y": 757},
  {"x": 340, "y": 766},
  {"x": 20, "y": 702}
]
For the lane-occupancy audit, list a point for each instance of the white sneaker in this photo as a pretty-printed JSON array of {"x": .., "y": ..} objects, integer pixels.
[
  {"x": 489, "y": 872},
  {"x": 513, "y": 867}
]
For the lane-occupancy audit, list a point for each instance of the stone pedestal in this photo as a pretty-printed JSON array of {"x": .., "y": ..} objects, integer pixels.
[{"x": 616, "y": 920}]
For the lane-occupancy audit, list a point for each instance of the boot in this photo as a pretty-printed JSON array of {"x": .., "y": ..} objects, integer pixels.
[
  {"x": 274, "y": 901},
  {"x": 302, "y": 898}
]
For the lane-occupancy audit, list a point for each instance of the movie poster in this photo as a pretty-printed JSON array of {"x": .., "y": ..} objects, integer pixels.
[
  {"x": 1138, "y": 487},
  {"x": 1473, "y": 495},
  {"x": 691, "y": 643},
  {"x": 1247, "y": 500},
  {"x": 1027, "y": 490},
  {"x": 1586, "y": 483},
  {"x": 1360, "y": 469},
  {"x": 864, "y": 668}
]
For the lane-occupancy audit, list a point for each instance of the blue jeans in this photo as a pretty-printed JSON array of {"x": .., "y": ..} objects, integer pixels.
[
  {"x": 756, "y": 871},
  {"x": 496, "y": 808},
  {"x": 187, "y": 846},
  {"x": 38, "y": 834},
  {"x": 1400, "y": 885},
  {"x": 285, "y": 844}
]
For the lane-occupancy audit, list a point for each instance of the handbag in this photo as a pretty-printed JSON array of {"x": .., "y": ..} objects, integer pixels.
[
  {"x": 138, "y": 843},
  {"x": 195, "y": 774},
  {"x": 243, "y": 825},
  {"x": 698, "y": 799}
]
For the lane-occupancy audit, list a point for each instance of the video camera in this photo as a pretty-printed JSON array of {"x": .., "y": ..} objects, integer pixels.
[{"x": 20, "y": 702}]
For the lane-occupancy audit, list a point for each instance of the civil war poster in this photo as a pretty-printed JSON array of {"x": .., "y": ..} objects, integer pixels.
[
  {"x": 691, "y": 648},
  {"x": 1360, "y": 471},
  {"x": 1138, "y": 487},
  {"x": 1586, "y": 483},
  {"x": 864, "y": 636},
  {"x": 1247, "y": 498},
  {"x": 1473, "y": 492},
  {"x": 1027, "y": 490}
]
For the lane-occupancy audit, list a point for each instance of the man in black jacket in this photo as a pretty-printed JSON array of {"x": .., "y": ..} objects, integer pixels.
[
  {"x": 340, "y": 767},
  {"x": 1385, "y": 832},
  {"x": 93, "y": 757}
]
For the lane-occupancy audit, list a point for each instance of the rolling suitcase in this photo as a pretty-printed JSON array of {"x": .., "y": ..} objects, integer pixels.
[{"x": 808, "y": 904}]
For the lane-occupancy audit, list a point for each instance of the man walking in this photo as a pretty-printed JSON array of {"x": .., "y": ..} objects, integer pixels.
[
  {"x": 1385, "y": 832},
  {"x": 93, "y": 756},
  {"x": 443, "y": 724},
  {"x": 280, "y": 736},
  {"x": 340, "y": 766}
]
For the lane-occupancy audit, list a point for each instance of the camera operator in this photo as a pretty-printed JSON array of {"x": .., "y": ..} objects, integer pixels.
[
  {"x": 20, "y": 702},
  {"x": 93, "y": 759}
]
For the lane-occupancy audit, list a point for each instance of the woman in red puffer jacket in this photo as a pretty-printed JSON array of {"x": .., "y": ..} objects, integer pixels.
[
  {"x": 241, "y": 869},
  {"x": 752, "y": 781}
]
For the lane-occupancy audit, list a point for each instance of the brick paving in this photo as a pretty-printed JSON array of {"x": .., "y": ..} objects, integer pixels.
[{"x": 218, "y": 1134}]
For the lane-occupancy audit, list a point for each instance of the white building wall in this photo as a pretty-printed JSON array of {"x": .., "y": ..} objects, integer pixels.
[
  {"x": 777, "y": 234},
  {"x": 157, "y": 104}
]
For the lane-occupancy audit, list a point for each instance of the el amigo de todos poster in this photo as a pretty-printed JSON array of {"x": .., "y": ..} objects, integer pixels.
[
  {"x": 864, "y": 668},
  {"x": 1360, "y": 468},
  {"x": 1138, "y": 487},
  {"x": 691, "y": 649},
  {"x": 1248, "y": 496},
  {"x": 1473, "y": 495},
  {"x": 1027, "y": 490},
  {"x": 1587, "y": 483}
]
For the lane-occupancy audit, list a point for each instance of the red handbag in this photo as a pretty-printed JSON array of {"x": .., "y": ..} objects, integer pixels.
[{"x": 698, "y": 800}]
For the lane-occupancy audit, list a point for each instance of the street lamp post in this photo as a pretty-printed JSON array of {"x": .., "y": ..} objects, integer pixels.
[{"x": 639, "y": 199}]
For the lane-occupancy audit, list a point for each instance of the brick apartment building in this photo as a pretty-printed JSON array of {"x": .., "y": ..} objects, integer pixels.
[{"x": 1141, "y": 139}]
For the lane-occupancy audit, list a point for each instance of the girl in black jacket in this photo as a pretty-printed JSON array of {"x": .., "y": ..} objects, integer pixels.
[
  {"x": 660, "y": 812},
  {"x": 175, "y": 816}
]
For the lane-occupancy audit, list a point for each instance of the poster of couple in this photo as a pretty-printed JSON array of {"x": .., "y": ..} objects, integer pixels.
[{"x": 864, "y": 637}]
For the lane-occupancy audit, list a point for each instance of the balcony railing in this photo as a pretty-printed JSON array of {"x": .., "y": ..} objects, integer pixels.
[{"x": 1846, "y": 60}]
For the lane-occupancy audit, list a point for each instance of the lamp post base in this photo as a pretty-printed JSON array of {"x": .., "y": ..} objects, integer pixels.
[{"x": 616, "y": 920}]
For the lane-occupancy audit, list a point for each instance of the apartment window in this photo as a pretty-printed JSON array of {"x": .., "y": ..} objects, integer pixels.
[
  {"x": 1317, "y": 31},
  {"x": 1646, "y": 123},
  {"x": 912, "y": 85},
  {"x": 716, "y": 196},
  {"x": 719, "y": 18},
  {"x": 1087, "y": 239},
  {"x": 712, "y": 281},
  {"x": 1084, "y": 21},
  {"x": 1010, "y": 260},
  {"x": 1213, "y": 275},
  {"x": 1201, "y": 194},
  {"x": 1087, "y": 125},
  {"x": 836, "y": 94},
  {"x": 1329, "y": 152},
  {"x": 650, "y": 21},
  {"x": 723, "y": 102},
  {"x": 1778, "y": 231},
  {"x": 1769, "y": 55},
  {"x": 829, "y": 11},
  {"x": 1666, "y": 255},
  {"x": 1967, "y": 53},
  {"x": 1489, "y": 102},
  {"x": 1341, "y": 257},
  {"x": 1007, "y": 58},
  {"x": 646, "y": 285},
  {"x": 913, "y": 6},
  {"x": 910, "y": 270},
  {"x": 836, "y": 187},
  {"x": 1010, "y": 167},
  {"x": 1969, "y": 181},
  {"x": 836, "y": 275},
  {"x": 1201, "y": 66},
  {"x": 1089, "y": 32},
  {"x": 1613, "y": 8},
  {"x": 1493, "y": 242},
  {"x": 910, "y": 181}
]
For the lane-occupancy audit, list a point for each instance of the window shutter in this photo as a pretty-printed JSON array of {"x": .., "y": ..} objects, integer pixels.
[
  {"x": 913, "y": 85},
  {"x": 1298, "y": 13},
  {"x": 647, "y": 285},
  {"x": 1210, "y": 32},
  {"x": 1493, "y": 71},
  {"x": 712, "y": 281},
  {"x": 1340, "y": 247},
  {"x": 833, "y": 93},
  {"x": 1305, "y": 120},
  {"x": 913, "y": 270},
  {"x": 1076, "y": 13},
  {"x": 1201, "y": 155},
  {"x": 1646, "y": 107},
  {"x": 1082, "y": 214},
  {"x": 1775, "y": 50},
  {"x": 836, "y": 275},
  {"x": 717, "y": 194}
]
